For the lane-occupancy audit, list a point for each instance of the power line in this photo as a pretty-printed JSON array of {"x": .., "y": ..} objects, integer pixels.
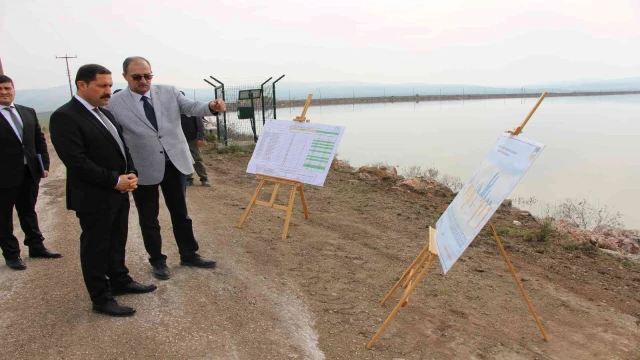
[{"x": 66, "y": 59}]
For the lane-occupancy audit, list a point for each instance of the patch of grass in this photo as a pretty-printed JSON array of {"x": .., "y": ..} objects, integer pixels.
[
  {"x": 571, "y": 245},
  {"x": 587, "y": 248},
  {"x": 211, "y": 138},
  {"x": 626, "y": 263},
  {"x": 235, "y": 149},
  {"x": 509, "y": 231},
  {"x": 543, "y": 232},
  {"x": 546, "y": 229}
]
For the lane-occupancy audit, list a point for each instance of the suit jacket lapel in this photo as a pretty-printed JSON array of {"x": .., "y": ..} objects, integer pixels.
[
  {"x": 130, "y": 102},
  {"x": 5, "y": 122},
  {"x": 84, "y": 112},
  {"x": 155, "y": 95},
  {"x": 28, "y": 126}
]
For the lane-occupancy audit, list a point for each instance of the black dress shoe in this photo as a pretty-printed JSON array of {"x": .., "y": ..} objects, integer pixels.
[
  {"x": 197, "y": 261},
  {"x": 112, "y": 308},
  {"x": 133, "y": 287},
  {"x": 16, "y": 264},
  {"x": 44, "y": 253},
  {"x": 161, "y": 271}
]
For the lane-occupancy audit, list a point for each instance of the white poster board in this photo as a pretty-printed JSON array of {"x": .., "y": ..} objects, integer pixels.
[
  {"x": 296, "y": 150},
  {"x": 502, "y": 168}
]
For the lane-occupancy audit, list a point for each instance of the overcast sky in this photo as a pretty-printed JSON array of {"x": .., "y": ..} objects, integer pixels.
[{"x": 483, "y": 42}]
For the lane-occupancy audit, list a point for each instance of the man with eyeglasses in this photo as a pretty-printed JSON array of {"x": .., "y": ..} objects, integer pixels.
[{"x": 150, "y": 118}]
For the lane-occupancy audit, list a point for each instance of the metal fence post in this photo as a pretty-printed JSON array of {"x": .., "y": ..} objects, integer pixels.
[
  {"x": 219, "y": 130},
  {"x": 224, "y": 114},
  {"x": 262, "y": 96},
  {"x": 253, "y": 118},
  {"x": 274, "y": 96}
]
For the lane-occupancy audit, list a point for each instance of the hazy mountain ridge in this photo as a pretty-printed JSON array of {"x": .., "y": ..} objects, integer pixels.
[{"x": 51, "y": 98}]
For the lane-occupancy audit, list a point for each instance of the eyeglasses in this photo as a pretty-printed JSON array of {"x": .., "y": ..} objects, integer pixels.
[{"x": 138, "y": 77}]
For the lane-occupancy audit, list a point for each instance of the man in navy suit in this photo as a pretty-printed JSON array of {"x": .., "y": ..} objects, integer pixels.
[
  {"x": 100, "y": 176},
  {"x": 21, "y": 141}
]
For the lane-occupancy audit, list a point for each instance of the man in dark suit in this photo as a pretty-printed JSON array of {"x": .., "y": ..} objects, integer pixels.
[
  {"x": 100, "y": 175},
  {"x": 21, "y": 142}
]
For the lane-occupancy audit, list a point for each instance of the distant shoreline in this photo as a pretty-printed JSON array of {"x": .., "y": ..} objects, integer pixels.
[
  {"x": 43, "y": 116},
  {"x": 418, "y": 98}
]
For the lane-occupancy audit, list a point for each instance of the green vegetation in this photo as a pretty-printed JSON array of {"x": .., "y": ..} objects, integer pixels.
[
  {"x": 211, "y": 138},
  {"x": 571, "y": 245},
  {"x": 543, "y": 233},
  {"x": 43, "y": 118},
  {"x": 234, "y": 148}
]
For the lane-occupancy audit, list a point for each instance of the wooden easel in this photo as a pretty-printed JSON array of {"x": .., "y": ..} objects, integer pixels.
[
  {"x": 295, "y": 185},
  {"x": 302, "y": 118},
  {"x": 425, "y": 259}
]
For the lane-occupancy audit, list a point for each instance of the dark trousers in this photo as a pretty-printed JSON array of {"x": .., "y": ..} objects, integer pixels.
[
  {"x": 147, "y": 200},
  {"x": 23, "y": 198},
  {"x": 199, "y": 163},
  {"x": 102, "y": 249}
]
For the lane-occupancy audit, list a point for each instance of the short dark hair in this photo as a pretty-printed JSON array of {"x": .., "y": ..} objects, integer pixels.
[
  {"x": 87, "y": 73},
  {"x": 130, "y": 59},
  {"x": 6, "y": 79},
  {"x": 117, "y": 90}
]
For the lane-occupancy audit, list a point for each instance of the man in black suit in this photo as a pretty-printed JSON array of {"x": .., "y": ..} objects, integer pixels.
[
  {"x": 100, "y": 175},
  {"x": 21, "y": 142}
]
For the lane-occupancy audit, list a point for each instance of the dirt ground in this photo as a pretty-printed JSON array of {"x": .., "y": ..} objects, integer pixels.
[{"x": 316, "y": 295}]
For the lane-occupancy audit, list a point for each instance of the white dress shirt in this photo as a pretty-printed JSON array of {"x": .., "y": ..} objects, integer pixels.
[
  {"x": 138, "y": 98},
  {"x": 90, "y": 108}
]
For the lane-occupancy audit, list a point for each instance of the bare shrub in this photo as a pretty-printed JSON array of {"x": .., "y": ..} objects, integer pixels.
[
  {"x": 532, "y": 200},
  {"x": 585, "y": 215},
  {"x": 412, "y": 171},
  {"x": 452, "y": 182},
  {"x": 433, "y": 172}
]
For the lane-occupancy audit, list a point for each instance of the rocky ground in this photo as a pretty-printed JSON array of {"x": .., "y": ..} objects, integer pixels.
[{"x": 316, "y": 295}]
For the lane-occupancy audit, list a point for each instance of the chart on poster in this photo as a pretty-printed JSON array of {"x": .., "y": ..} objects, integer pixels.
[
  {"x": 296, "y": 151},
  {"x": 502, "y": 168}
]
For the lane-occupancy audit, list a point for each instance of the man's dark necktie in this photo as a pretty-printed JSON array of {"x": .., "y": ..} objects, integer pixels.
[
  {"x": 148, "y": 111},
  {"x": 16, "y": 121},
  {"x": 107, "y": 123}
]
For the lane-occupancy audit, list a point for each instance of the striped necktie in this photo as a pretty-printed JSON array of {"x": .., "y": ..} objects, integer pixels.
[{"x": 16, "y": 121}]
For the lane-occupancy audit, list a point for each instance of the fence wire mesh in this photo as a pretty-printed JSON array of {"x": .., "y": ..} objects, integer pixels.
[{"x": 244, "y": 119}]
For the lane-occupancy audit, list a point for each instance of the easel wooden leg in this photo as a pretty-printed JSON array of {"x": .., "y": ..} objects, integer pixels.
[
  {"x": 515, "y": 277},
  {"x": 274, "y": 195},
  {"x": 295, "y": 185},
  {"x": 287, "y": 219},
  {"x": 407, "y": 274},
  {"x": 402, "y": 302},
  {"x": 253, "y": 200},
  {"x": 303, "y": 200}
]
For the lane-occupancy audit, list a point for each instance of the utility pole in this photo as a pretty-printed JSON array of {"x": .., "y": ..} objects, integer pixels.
[{"x": 66, "y": 59}]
